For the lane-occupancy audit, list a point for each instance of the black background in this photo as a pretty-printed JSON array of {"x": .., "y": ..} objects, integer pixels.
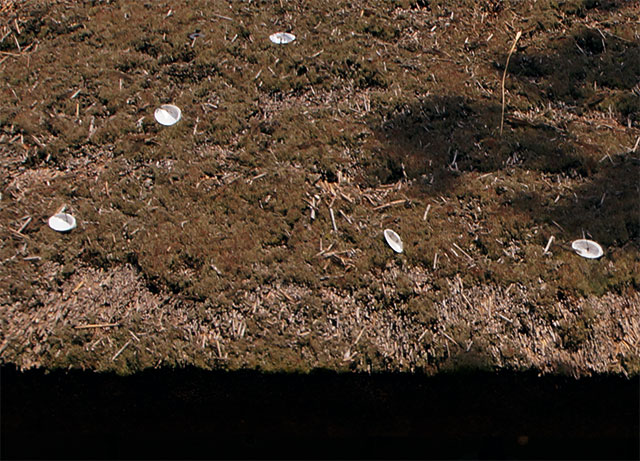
[{"x": 190, "y": 413}]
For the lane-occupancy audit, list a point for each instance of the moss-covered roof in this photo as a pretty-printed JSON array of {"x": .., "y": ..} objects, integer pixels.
[{"x": 250, "y": 234}]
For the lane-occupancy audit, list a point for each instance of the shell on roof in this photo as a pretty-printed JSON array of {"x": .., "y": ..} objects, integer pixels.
[
  {"x": 587, "y": 248},
  {"x": 394, "y": 240},
  {"x": 62, "y": 222},
  {"x": 282, "y": 38},
  {"x": 167, "y": 114}
]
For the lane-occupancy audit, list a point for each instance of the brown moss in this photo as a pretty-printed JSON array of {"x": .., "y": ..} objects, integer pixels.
[{"x": 367, "y": 104}]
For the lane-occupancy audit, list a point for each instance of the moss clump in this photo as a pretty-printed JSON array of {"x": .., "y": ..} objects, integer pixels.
[{"x": 577, "y": 331}]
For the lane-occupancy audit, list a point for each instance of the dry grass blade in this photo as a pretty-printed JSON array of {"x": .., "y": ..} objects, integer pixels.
[
  {"x": 96, "y": 325},
  {"x": 504, "y": 76},
  {"x": 117, "y": 354},
  {"x": 387, "y": 205}
]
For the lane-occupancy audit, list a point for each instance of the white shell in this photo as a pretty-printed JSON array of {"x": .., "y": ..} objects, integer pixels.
[
  {"x": 587, "y": 248},
  {"x": 282, "y": 38},
  {"x": 62, "y": 222},
  {"x": 167, "y": 114},
  {"x": 394, "y": 240}
]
